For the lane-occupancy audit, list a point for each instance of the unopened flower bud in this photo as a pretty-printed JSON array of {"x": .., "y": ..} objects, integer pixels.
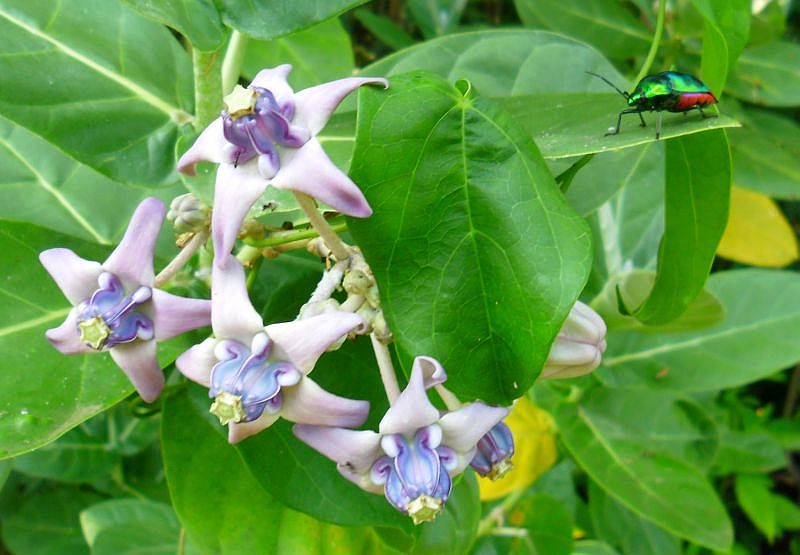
[
  {"x": 357, "y": 282},
  {"x": 188, "y": 213},
  {"x": 579, "y": 346},
  {"x": 494, "y": 451}
]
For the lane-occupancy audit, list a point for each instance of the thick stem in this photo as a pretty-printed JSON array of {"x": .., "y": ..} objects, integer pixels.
[
  {"x": 181, "y": 259},
  {"x": 339, "y": 250},
  {"x": 386, "y": 367},
  {"x": 232, "y": 64},
  {"x": 207, "y": 87},
  {"x": 651, "y": 55}
]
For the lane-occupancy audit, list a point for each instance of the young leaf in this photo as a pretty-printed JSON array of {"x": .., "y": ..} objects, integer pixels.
[
  {"x": 477, "y": 255},
  {"x": 102, "y": 83}
]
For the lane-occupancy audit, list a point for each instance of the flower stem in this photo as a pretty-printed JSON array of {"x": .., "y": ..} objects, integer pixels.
[
  {"x": 329, "y": 282},
  {"x": 496, "y": 517},
  {"x": 651, "y": 55},
  {"x": 332, "y": 240},
  {"x": 232, "y": 64},
  {"x": 282, "y": 237},
  {"x": 207, "y": 87},
  {"x": 181, "y": 259},
  {"x": 450, "y": 400},
  {"x": 386, "y": 367}
]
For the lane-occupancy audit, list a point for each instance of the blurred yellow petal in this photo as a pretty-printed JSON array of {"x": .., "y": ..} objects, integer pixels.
[
  {"x": 757, "y": 232},
  {"x": 534, "y": 452}
]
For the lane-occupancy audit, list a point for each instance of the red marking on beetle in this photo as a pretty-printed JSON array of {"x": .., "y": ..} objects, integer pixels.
[{"x": 687, "y": 101}]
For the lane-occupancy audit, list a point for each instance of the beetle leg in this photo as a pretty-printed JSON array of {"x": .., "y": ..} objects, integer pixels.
[
  {"x": 658, "y": 125},
  {"x": 705, "y": 116},
  {"x": 619, "y": 119},
  {"x": 641, "y": 118}
]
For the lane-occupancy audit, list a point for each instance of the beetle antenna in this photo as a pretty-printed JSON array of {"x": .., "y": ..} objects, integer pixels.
[{"x": 623, "y": 93}]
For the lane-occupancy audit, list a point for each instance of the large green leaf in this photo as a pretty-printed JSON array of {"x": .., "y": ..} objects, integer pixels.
[
  {"x": 768, "y": 75},
  {"x": 287, "y": 469},
  {"x": 44, "y": 393},
  {"x": 275, "y": 18},
  {"x": 320, "y": 53},
  {"x": 476, "y": 253},
  {"x": 748, "y": 451},
  {"x": 436, "y": 17},
  {"x": 221, "y": 505},
  {"x": 41, "y": 185},
  {"x": 132, "y": 526},
  {"x": 91, "y": 451},
  {"x": 507, "y": 62},
  {"x": 755, "y": 498},
  {"x": 197, "y": 20},
  {"x": 46, "y": 523},
  {"x": 757, "y": 338},
  {"x": 606, "y": 24},
  {"x": 574, "y": 124},
  {"x": 609, "y": 439},
  {"x": 698, "y": 181},
  {"x": 625, "y": 529},
  {"x": 99, "y": 81}
]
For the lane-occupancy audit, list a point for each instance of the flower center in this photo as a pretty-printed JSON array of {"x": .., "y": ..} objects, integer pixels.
[
  {"x": 414, "y": 473},
  {"x": 255, "y": 124},
  {"x": 109, "y": 318},
  {"x": 240, "y": 102},
  {"x": 424, "y": 508},
  {"x": 245, "y": 382},
  {"x": 228, "y": 408}
]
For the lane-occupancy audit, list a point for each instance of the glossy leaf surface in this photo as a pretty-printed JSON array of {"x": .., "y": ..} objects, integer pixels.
[
  {"x": 119, "y": 106},
  {"x": 467, "y": 202},
  {"x": 198, "y": 20}
]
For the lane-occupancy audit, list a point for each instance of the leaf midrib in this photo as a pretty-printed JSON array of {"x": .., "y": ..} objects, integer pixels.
[{"x": 173, "y": 112}]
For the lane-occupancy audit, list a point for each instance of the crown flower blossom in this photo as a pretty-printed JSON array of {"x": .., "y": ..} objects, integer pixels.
[
  {"x": 266, "y": 136},
  {"x": 416, "y": 452},
  {"x": 579, "y": 346},
  {"x": 115, "y": 306},
  {"x": 257, "y": 373}
]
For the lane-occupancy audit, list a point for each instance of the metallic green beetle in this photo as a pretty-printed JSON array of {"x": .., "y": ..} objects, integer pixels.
[{"x": 669, "y": 90}]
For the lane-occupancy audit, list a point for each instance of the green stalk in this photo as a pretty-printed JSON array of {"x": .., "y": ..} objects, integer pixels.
[
  {"x": 283, "y": 237},
  {"x": 207, "y": 87},
  {"x": 232, "y": 64},
  {"x": 651, "y": 55}
]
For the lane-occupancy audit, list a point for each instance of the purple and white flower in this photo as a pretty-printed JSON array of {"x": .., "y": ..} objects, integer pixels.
[
  {"x": 579, "y": 346},
  {"x": 266, "y": 136},
  {"x": 257, "y": 373},
  {"x": 117, "y": 309},
  {"x": 416, "y": 451}
]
